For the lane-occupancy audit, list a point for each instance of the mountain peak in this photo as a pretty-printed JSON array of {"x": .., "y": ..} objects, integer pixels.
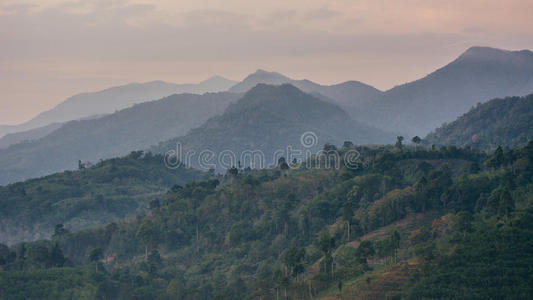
[
  {"x": 264, "y": 90},
  {"x": 270, "y": 89},
  {"x": 484, "y": 49},
  {"x": 268, "y": 74},
  {"x": 489, "y": 53},
  {"x": 281, "y": 99},
  {"x": 261, "y": 71},
  {"x": 217, "y": 79},
  {"x": 260, "y": 76},
  {"x": 153, "y": 82}
]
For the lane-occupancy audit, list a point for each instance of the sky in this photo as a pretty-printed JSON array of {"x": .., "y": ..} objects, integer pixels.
[{"x": 53, "y": 49}]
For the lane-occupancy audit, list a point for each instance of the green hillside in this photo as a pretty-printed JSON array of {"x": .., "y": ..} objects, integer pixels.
[
  {"x": 504, "y": 122},
  {"x": 405, "y": 223},
  {"x": 112, "y": 189}
]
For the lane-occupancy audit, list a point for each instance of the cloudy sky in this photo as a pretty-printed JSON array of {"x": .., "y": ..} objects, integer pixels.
[{"x": 52, "y": 49}]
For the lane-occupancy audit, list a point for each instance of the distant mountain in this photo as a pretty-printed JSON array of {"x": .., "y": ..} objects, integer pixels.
[
  {"x": 507, "y": 122},
  {"x": 269, "y": 118},
  {"x": 260, "y": 76},
  {"x": 350, "y": 95},
  {"x": 477, "y": 75},
  {"x": 109, "y": 100},
  {"x": 28, "y": 135},
  {"x": 110, "y": 190},
  {"x": 113, "y": 135},
  {"x": 34, "y": 134}
]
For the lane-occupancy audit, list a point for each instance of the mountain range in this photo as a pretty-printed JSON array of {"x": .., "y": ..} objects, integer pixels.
[
  {"x": 269, "y": 118},
  {"x": 113, "y": 135},
  {"x": 115, "y": 98},
  {"x": 406, "y": 222},
  {"x": 478, "y": 75},
  {"x": 349, "y": 94},
  {"x": 28, "y": 135},
  {"x": 415, "y": 108}
]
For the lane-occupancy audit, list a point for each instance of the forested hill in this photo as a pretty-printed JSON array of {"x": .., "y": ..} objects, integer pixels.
[
  {"x": 110, "y": 190},
  {"x": 270, "y": 118},
  {"x": 506, "y": 122},
  {"x": 405, "y": 223}
]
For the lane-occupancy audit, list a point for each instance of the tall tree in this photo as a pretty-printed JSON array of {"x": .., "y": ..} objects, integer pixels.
[
  {"x": 326, "y": 244},
  {"x": 149, "y": 234},
  {"x": 506, "y": 202},
  {"x": 95, "y": 256},
  {"x": 399, "y": 140},
  {"x": 416, "y": 139},
  {"x": 347, "y": 216}
]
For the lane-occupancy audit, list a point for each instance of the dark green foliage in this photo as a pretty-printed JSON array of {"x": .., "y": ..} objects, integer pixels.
[
  {"x": 388, "y": 247},
  {"x": 96, "y": 254},
  {"x": 399, "y": 140},
  {"x": 49, "y": 284},
  {"x": 294, "y": 261},
  {"x": 494, "y": 262},
  {"x": 507, "y": 122},
  {"x": 267, "y": 233},
  {"x": 112, "y": 189}
]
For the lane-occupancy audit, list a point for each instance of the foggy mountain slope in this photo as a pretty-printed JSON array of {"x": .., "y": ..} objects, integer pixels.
[
  {"x": 350, "y": 95},
  {"x": 115, "y": 98},
  {"x": 113, "y": 135},
  {"x": 35, "y": 133},
  {"x": 27, "y": 135},
  {"x": 270, "y": 118},
  {"x": 479, "y": 74}
]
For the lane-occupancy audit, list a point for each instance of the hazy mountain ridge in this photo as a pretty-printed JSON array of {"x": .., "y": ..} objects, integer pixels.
[
  {"x": 270, "y": 118},
  {"x": 115, "y": 98},
  {"x": 506, "y": 122},
  {"x": 413, "y": 108},
  {"x": 416, "y": 108},
  {"x": 479, "y": 74},
  {"x": 133, "y": 128},
  {"x": 28, "y": 135},
  {"x": 349, "y": 95}
]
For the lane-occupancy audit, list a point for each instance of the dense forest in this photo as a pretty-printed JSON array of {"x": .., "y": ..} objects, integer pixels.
[
  {"x": 506, "y": 122},
  {"x": 400, "y": 222},
  {"x": 93, "y": 195}
]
